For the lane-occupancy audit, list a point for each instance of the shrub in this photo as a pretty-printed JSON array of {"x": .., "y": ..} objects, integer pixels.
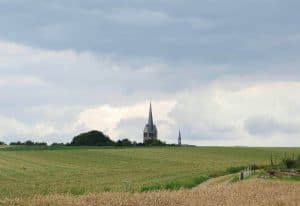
[
  {"x": 176, "y": 185},
  {"x": 16, "y": 143},
  {"x": 57, "y": 144},
  {"x": 173, "y": 185},
  {"x": 232, "y": 170},
  {"x": 40, "y": 143},
  {"x": 147, "y": 188},
  {"x": 298, "y": 162},
  {"x": 28, "y": 142},
  {"x": 290, "y": 163},
  {"x": 124, "y": 143},
  {"x": 155, "y": 142}
]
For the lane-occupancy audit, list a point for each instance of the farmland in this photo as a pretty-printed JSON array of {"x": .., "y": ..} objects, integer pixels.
[
  {"x": 26, "y": 171},
  {"x": 250, "y": 192}
]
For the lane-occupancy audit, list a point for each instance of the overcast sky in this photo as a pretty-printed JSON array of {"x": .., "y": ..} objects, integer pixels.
[{"x": 225, "y": 72}]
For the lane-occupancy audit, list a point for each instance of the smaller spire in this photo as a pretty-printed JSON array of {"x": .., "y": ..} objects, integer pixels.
[{"x": 179, "y": 138}]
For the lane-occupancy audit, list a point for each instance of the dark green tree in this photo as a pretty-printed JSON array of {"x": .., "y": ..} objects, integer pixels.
[{"x": 92, "y": 138}]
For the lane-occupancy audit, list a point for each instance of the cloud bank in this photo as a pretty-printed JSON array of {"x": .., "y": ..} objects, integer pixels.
[{"x": 226, "y": 73}]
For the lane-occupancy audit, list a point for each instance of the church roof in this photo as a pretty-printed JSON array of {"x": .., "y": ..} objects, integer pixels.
[{"x": 150, "y": 118}]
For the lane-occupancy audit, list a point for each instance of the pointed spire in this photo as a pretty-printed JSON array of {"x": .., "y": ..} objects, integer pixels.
[
  {"x": 150, "y": 119},
  {"x": 179, "y": 138}
]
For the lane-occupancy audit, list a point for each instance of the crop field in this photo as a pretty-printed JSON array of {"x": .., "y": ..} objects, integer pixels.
[
  {"x": 26, "y": 172},
  {"x": 250, "y": 192}
]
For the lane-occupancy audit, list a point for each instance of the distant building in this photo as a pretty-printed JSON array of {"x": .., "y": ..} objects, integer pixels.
[
  {"x": 150, "y": 131},
  {"x": 179, "y": 138}
]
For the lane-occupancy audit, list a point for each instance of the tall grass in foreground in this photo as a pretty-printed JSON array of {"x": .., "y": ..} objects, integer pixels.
[{"x": 251, "y": 192}]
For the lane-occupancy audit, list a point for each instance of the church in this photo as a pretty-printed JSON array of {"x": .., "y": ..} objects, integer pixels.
[{"x": 150, "y": 131}]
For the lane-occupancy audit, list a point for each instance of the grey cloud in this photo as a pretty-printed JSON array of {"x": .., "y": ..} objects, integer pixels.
[
  {"x": 266, "y": 126},
  {"x": 82, "y": 54},
  {"x": 230, "y": 32},
  {"x": 210, "y": 133}
]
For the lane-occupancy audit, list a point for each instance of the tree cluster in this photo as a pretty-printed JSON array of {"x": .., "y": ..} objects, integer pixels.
[
  {"x": 29, "y": 142},
  {"x": 95, "y": 138}
]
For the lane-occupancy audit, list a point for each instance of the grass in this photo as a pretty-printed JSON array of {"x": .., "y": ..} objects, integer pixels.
[
  {"x": 27, "y": 171},
  {"x": 176, "y": 185},
  {"x": 291, "y": 179}
]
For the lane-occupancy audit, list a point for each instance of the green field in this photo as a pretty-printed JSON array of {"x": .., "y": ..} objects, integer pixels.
[{"x": 25, "y": 172}]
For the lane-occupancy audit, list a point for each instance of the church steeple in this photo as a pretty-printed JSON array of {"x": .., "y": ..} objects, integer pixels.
[
  {"x": 150, "y": 118},
  {"x": 179, "y": 138},
  {"x": 150, "y": 131}
]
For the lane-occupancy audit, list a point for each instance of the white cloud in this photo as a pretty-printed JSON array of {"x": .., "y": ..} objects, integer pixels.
[
  {"x": 250, "y": 114},
  {"x": 10, "y": 127},
  {"x": 107, "y": 118},
  {"x": 220, "y": 115}
]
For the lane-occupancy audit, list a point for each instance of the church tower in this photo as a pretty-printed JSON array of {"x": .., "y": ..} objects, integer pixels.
[
  {"x": 179, "y": 138},
  {"x": 150, "y": 131}
]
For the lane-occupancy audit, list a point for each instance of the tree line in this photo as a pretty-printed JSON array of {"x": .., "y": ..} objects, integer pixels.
[{"x": 94, "y": 138}]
